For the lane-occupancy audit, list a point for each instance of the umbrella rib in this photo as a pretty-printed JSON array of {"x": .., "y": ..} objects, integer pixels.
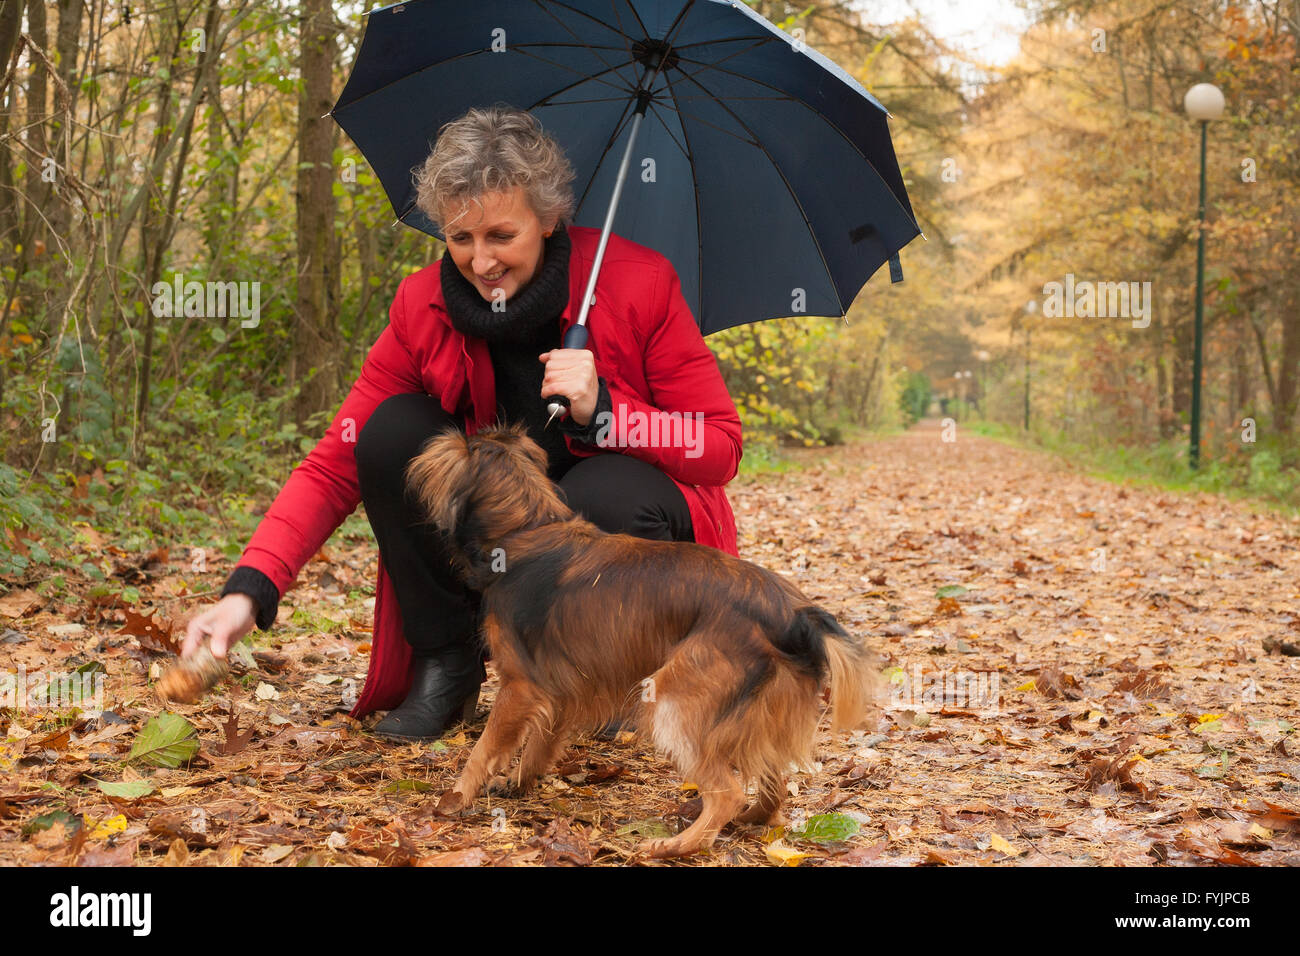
[
  {"x": 545, "y": 9},
  {"x": 711, "y": 64},
  {"x": 723, "y": 130},
  {"x": 685, "y": 151},
  {"x": 794, "y": 99},
  {"x": 699, "y": 219},
  {"x": 472, "y": 53},
  {"x": 614, "y": 9},
  {"x": 582, "y": 13},
  {"x": 788, "y": 188},
  {"x": 597, "y": 77},
  {"x": 618, "y": 129}
]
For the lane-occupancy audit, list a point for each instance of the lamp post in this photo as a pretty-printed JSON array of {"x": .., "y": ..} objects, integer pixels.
[
  {"x": 1030, "y": 308},
  {"x": 1203, "y": 102},
  {"x": 982, "y": 357}
]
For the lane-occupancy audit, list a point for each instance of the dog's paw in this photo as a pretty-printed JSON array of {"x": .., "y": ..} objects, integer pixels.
[
  {"x": 663, "y": 848},
  {"x": 451, "y": 802},
  {"x": 758, "y": 815}
]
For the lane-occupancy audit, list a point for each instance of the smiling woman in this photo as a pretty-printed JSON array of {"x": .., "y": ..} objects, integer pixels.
[
  {"x": 502, "y": 250},
  {"x": 496, "y": 185},
  {"x": 473, "y": 339}
]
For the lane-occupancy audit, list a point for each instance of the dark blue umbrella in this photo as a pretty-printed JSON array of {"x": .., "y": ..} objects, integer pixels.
[{"x": 775, "y": 186}]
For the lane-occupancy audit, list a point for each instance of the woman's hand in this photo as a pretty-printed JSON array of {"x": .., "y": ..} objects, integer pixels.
[
  {"x": 572, "y": 373},
  {"x": 225, "y": 623}
]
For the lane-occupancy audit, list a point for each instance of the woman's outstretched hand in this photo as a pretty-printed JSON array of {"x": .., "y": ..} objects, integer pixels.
[{"x": 224, "y": 624}]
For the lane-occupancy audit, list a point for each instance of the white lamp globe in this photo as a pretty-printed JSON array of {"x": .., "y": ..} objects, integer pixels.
[{"x": 1204, "y": 101}]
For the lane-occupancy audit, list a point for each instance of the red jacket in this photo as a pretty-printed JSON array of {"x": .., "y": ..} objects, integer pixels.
[{"x": 648, "y": 349}]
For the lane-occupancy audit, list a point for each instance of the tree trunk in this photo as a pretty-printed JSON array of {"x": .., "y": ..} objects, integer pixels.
[
  {"x": 316, "y": 323},
  {"x": 11, "y": 15},
  {"x": 1284, "y": 413}
]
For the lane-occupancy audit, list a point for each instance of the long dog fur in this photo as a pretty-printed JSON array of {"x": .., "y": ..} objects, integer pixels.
[{"x": 721, "y": 661}]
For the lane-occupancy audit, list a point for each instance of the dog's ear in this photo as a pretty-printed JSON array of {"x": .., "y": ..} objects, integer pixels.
[
  {"x": 439, "y": 477},
  {"x": 514, "y": 436},
  {"x": 534, "y": 451}
]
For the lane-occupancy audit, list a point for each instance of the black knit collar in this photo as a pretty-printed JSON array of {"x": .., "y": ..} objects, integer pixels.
[{"x": 529, "y": 314}]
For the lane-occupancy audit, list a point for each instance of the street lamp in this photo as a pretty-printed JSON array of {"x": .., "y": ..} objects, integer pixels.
[
  {"x": 963, "y": 393},
  {"x": 1030, "y": 308},
  {"x": 1203, "y": 102}
]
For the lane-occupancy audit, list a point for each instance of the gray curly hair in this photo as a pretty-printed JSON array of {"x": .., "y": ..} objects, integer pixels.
[{"x": 490, "y": 150}]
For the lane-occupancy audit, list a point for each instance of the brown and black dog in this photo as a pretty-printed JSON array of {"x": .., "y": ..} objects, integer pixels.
[{"x": 720, "y": 661}]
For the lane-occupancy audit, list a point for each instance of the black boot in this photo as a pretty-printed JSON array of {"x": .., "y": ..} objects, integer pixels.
[{"x": 444, "y": 689}]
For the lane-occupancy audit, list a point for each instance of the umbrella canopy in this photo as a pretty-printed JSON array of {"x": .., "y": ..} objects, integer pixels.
[{"x": 763, "y": 171}]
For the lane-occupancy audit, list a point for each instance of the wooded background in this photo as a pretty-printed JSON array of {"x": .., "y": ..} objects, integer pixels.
[{"x": 142, "y": 141}]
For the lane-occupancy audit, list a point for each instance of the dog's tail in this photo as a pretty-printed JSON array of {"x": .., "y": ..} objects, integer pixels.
[{"x": 817, "y": 642}]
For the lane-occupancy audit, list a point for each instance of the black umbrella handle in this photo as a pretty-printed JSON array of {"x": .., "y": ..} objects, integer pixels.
[{"x": 575, "y": 338}]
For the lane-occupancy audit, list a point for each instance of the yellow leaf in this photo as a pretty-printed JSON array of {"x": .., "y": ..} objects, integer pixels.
[
  {"x": 1259, "y": 831},
  {"x": 460, "y": 740},
  {"x": 178, "y": 791},
  {"x": 107, "y": 828},
  {"x": 783, "y": 855},
  {"x": 275, "y": 853},
  {"x": 1027, "y": 685},
  {"x": 1002, "y": 846},
  {"x": 1206, "y": 718},
  {"x": 689, "y": 786}
]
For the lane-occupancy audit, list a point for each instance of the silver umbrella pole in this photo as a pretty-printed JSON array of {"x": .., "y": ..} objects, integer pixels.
[{"x": 576, "y": 337}]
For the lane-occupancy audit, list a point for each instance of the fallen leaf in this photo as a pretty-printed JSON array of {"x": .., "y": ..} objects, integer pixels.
[
  {"x": 1002, "y": 846},
  {"x": 783, "y": 855}
]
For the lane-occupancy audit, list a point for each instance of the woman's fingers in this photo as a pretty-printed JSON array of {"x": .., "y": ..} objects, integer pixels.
[
  {"x": 221, "y": 641},
  {"x": 222, "y": 624},
  {"x": 199, "y": 627},
  {"x": 569, "y": 372}
]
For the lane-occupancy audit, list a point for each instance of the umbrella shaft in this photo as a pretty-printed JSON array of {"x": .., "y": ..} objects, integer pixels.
[{"x": 643, "y": 102}]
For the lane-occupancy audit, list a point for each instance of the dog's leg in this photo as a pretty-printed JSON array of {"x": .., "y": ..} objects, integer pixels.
[
  {"x": 767, "y": 805},
  {"x": 540, "y": 753},
  {"x": 517, "y": 704},
  {"x": 723, "y": 798}
]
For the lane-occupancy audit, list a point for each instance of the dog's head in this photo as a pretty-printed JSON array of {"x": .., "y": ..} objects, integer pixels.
[{"x": 480, "y": 488}]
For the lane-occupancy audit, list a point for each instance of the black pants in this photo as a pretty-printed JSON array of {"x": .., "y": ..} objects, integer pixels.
[{"x": 616, "y": 492}]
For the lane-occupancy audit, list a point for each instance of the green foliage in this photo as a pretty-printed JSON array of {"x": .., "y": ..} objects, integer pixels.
[
  {"x": 915, "y": 398},
  {"x": 1267, "y": 471}
]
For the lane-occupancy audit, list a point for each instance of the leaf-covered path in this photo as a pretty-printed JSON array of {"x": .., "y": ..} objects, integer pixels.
[{"x": 1081, "y": 673}]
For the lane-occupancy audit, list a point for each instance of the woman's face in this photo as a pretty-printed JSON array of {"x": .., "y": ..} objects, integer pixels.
[{"x": 507, "y": 238}]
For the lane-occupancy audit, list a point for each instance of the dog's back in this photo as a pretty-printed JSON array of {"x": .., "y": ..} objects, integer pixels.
[{"x": 721, "y": 662}]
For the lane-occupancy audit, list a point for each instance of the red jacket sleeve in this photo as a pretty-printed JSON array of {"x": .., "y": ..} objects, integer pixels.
[
  {"x": 323, "y": 490},
  {"x": 699, "y": 441}
]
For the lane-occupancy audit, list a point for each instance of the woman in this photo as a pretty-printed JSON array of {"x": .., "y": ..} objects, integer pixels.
[{"x": 474, "y": 338}]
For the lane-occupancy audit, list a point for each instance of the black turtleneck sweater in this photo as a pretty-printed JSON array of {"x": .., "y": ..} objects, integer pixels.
[
  {"x": 527, "y": 325},
  {"x": 517, "y": 332}
]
